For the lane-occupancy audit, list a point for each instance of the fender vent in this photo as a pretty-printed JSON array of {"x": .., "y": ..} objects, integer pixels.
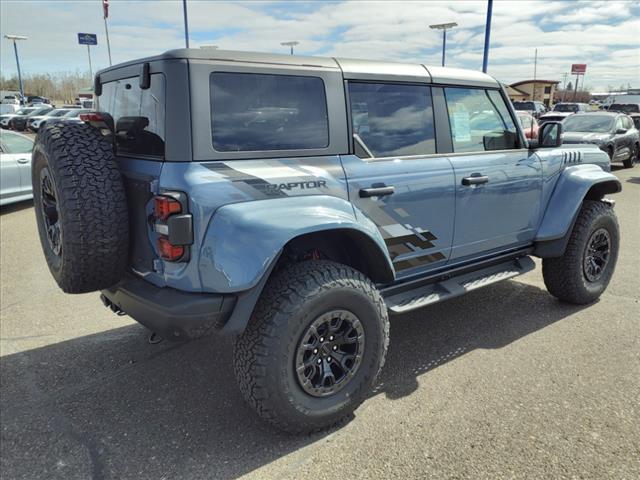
[{"x": 570, "y": 158}]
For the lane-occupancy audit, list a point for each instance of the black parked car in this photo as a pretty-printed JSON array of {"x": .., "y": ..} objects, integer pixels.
[
  {"x": 614, "y": 133},
  {"x": 19, "y": 122},
  {"x": 627, "y": 108},
  {"x": 532, "y": 108}
]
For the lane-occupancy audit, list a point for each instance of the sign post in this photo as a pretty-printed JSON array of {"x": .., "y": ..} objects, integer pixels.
[
  {"x": 578, "y": 69},
  {"x": 88, "y": 39}
]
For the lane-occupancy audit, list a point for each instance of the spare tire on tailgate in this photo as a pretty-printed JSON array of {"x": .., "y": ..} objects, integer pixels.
[{"x": 80, "y": 206}]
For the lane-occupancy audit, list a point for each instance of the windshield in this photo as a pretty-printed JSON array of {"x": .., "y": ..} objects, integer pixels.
[
  {"x": 57, "y": 113},
  {"x": 74, "y": 113},
  {"x": 40, "y": 111},
  {"x": 24, "y": 111},
  {"x": 625, "y": 107},
  {"x": 583, "y": 123},
  {"x": 524, "y": 106},
  {"x": 566, "y": 107}
]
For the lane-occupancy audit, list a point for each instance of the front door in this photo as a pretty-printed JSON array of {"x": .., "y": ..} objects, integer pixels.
[
  {"x": 394, "y": 178},
  {"x": 624, "y": 140},
  {"x": 498, "y": 183}
]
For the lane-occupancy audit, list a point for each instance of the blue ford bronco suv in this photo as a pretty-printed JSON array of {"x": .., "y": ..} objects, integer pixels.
[{"x": 297, "y": 202}]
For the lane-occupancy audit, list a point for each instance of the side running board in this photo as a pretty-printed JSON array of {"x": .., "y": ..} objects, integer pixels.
[{"x": 459, "y": 285}]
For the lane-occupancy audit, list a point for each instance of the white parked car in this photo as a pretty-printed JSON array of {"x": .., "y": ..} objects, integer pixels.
[
  {"x": 11, "y": 100},
  {"x": 35, "y": 122},
  {"x": 4, "y": 119},
  {"x": 15, "y": 167},
  {"x": 8, "y": 108}
]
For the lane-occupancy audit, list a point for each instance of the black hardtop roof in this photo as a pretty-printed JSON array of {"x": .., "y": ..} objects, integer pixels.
[{"x": 435, "y": 74}]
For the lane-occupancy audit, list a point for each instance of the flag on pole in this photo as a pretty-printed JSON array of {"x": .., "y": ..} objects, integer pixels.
[{"x": 105, "y": 8}]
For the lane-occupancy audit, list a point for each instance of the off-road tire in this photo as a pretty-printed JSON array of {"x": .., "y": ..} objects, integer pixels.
[
  {"x": 633, "y": 157},
  {"x": 264, "y": 353},
  {"x": 91, "y": 206},
  {"x": 565, "y": 276}
]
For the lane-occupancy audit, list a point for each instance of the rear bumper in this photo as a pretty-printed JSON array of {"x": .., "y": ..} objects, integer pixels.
[{"x": 173, "y": 314}]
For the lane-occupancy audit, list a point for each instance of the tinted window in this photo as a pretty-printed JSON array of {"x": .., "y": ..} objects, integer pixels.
[
  {"x": 138, "y": 115},
  {"x": 13, "y": 143},
  {"x": 524, "y": 106},
  {"x": 251, "y": 112},
  {"x": 626, "y": 108},
  {"x": 393, "y": 120},
  {"x": 479, "y": 120},
  {"x": 566, "y": 107}
]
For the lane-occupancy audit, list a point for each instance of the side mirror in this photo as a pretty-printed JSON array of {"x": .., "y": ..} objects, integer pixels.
[
  {"x": 621, "y": 131},
  {"x": 549, "y": 136}
]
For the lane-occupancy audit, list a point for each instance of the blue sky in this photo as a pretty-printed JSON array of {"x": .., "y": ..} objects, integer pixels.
[{"x": 603, "y": 34}]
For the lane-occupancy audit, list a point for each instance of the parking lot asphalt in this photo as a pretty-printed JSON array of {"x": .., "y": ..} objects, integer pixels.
[{"x": 505, "y": 382}]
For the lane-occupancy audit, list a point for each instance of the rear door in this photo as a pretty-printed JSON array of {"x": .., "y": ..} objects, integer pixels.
[
  {"x": 498, "y": 182},
  {"x": 394, "y": 177}
]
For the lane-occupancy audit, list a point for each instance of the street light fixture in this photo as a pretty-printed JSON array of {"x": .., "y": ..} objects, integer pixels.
[
  {"x": 15, "y": 49},
  {"x": 290, "y": 44},
  {"x": 444, "y": 27}
]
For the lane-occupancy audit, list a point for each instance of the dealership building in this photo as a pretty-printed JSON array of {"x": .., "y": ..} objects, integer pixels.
[{"x": 533, "y": 90}]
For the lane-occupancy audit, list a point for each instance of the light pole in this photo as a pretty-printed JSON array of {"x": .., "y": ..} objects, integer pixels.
[
  {"x": 186, "y": 23},
  {"x": 15, "y": 49},
  {"x": 487, "y": 36},
  {"x": 290, "y": 44},
  {"x": 444, "y": 27}
]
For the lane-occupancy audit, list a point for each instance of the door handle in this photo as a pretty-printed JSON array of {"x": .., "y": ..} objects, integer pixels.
[
  {"x": 23, "y": 160},
  {"x": 377, "y": 190},
  {"x": 475, "y": 179}
]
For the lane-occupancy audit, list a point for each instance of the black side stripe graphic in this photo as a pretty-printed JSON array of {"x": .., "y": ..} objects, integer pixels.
[
  {"x": 419, "y": 261},
  {"x": 261, "y": 188},
  {"x": 421, "y": 240}
]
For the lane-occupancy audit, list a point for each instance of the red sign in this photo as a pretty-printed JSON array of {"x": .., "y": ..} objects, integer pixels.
[{"x": 578, "y": 69}]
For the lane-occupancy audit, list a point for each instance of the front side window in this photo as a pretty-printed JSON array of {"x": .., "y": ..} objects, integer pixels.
[
  {"x": 139, "y": 115},
  {"x": 479, "y": 120},
  {"x": 393, "y": 119},
  {"x": 525, "y": 122},
  {"x": 256, "y": 112}
]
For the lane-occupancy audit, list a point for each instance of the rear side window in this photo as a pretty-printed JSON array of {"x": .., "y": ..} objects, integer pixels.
[
  {"x": 256, "y": 112},
  {"x": 393, "y": 119},
  {"x": 479, "y": 120},
  {"x": 139, "y": 115}
]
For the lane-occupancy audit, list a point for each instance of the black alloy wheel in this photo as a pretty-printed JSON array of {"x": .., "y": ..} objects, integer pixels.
[
  {"x": 596, "y": 255},
  {"x": 50, "y": 212},
  {"x": 329, "y": 353}
]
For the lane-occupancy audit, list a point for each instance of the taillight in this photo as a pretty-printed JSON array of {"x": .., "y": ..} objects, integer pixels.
[
  {"x": 173, "y": 226},
  {"x": 169, "y": 252},
  {"x": 91, "y": 117},
  {"x": 164, "y": 206}
]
